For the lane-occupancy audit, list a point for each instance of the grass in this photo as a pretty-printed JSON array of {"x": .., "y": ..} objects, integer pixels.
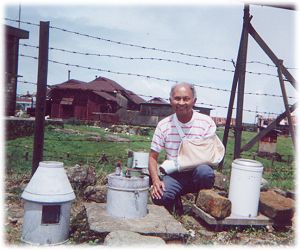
[{"x": 75, "y": 145}]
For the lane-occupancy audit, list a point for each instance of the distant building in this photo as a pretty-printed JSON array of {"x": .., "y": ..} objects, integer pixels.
[
  {"x": 86, "y": 101},
  {"x": 282, "y": 126},
  {"x": 156, "y": 106},
  {"x": 159, "y": 107},
  {"x": 221, "y": 121},
  {"x": 12, "y": 37},
  {"x": 23, "y": 103}
]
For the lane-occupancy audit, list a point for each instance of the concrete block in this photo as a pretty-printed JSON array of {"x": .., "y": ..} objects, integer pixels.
[
  {"x": 158, "y": 222},
  {"x": 127, "y": 238}
]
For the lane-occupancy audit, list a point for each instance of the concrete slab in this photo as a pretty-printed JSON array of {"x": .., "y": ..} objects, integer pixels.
[
  {"x": 158, "y": 222},
  {"x": 232, "y": 220}
]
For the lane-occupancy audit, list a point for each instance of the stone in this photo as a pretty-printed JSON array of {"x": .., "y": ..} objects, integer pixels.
[
  {"x": 81, "y": 176},
  {"x": 279, "y": 191},
  {"x": 221, "y": 181},
  {"x": 206, "y": 233},
  {"x": 214, "y": 204},
  {"x": 276, "y": 206},
  {"x": 264, "y": 185},
  {"x": 290, "y": 194},
  {"x": 127, "y": 238},
  {"x": 116, "y": 138},
  {"x": 96, "y": 193},
  {"x": 158, "y": 222}
]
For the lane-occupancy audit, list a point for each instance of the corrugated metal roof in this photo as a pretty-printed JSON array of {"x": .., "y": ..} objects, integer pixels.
[
  {"x": 70, "y": 84},
  {"x": 132, "y": 96},
  {"x": 157, "y": 100},
  {"x": 105, "y": 95},
  {"x": 104, "y": 84},
  {"x": 99, "y": 86}
]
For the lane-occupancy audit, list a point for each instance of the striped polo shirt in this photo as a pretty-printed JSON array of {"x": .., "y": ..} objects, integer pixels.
[{"x": 166, "y": 136}]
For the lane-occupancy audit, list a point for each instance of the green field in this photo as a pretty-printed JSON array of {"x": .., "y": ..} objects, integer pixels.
[{"x": 79, "y": 144}]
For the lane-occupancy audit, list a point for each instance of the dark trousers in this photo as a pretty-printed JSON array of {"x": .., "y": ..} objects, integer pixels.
[{"x": 178, "y": 184}]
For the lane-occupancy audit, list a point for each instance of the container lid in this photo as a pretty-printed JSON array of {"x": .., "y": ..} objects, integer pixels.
[
  {"x": 115, "y": 181},
  {"x": 49, "y": 184},
  {"x": 247, "y": 162}
]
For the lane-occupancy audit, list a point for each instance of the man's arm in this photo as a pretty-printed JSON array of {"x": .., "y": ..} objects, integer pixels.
[{"x": 158, "y": 185}]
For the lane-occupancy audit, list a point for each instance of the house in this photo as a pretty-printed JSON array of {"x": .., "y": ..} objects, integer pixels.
[
  {"x": 156, "y": 106},
  {"x": 283, "y": 125},
  {"x": 87, "y": 101},
  {"x": 159, "y": 107},
  {"x": 221, "y": 121},
  {"x": 24, "y": 102}
]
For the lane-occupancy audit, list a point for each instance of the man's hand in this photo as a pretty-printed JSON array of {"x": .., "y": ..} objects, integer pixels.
[
  {"x": 157, "y": 190},
  {"x": 158, "y": 187}
]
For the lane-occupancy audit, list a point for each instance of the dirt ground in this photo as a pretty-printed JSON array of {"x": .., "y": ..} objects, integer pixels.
[{"x": 200, "y": 232}]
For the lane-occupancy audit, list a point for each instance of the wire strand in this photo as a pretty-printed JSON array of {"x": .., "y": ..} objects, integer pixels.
[
  {"x": 153, "y": 59},
  {"x": 135, "y": 45}
]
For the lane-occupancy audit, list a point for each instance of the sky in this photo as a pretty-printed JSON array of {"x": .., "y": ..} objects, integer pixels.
[{"x": 207, "y": 36}]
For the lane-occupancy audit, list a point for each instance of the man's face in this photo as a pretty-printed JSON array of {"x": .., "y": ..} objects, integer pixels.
[{"x": 182, "y": 100}]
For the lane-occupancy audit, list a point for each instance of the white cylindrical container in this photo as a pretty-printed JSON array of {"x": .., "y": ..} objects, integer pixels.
[
  {"x": 127, "y": 197},
  {"x": 47, "y": 205},
  {"x": 244, "y": 188},
  {"x": 140, "y": 159}
]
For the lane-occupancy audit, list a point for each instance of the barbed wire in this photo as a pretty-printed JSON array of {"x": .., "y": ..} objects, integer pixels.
[
  {"x": 149, "y": 58},
  {"x": 140, "y": 46},
  {"x": 197, "y": 85},
  {"x": 268, "y": 65},
  {"x": 226, "y": 107},
  {"x": 219, "y": 106},
  {"x": 121, "y": 73},
  {"x": 209, "y": 105}
]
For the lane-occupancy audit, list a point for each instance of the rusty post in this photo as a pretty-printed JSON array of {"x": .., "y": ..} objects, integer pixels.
[
  {"x": 285, "y": 100},
  {"x": 38, "y": 145},
  {"x": 233, "y": 89},
  {"x": 241, "y": 86}
]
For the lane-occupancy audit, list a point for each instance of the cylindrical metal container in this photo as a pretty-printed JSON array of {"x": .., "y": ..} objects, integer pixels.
[
  {"x": 37, "y": 232},
  {"x": 47, "y": 205},
  {"x": 244, "y": 188},
  {"x": 127, "y": 197},
  {"x": 140, "y": 159}
]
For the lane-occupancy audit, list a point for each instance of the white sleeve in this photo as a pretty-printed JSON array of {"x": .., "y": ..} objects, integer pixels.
[{"x": 157, "y": 143}]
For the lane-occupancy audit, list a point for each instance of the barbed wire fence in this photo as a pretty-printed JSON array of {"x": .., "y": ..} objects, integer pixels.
[{"x": 166, "y": 60}]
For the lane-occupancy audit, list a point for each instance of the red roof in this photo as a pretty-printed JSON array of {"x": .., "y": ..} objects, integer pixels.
[
  {"x": 105, "y": 95},
  {"x": 101, "y": 86},
  {"x": 70, "y": 84},
  {"x": 157, "y": 100},
  {"x": 24, "y": 99},
  {"x": 104, "y": 84}
]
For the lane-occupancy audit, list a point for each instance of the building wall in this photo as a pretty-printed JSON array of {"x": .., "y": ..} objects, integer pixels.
[
  {"x": 86, "y": 105},
  {"x": 157, "y": 110}
]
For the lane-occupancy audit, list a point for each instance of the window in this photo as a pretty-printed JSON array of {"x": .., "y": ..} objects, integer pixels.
[{"x": 51, "y": 214}]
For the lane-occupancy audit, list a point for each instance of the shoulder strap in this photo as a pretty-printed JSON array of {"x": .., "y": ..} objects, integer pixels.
[{"x": 179, "y": 129}]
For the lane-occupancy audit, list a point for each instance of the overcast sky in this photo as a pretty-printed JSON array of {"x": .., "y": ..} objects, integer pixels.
[{"x": 203, "y": 30}]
